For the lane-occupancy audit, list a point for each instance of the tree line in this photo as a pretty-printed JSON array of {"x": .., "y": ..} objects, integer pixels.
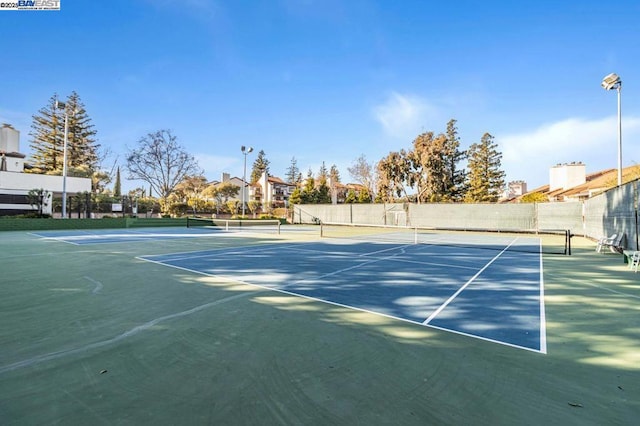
[{"x": 430, "y": 170}]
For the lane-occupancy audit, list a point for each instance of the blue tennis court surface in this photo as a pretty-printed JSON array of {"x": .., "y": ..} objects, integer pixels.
[{"x": 494, "y": 294}]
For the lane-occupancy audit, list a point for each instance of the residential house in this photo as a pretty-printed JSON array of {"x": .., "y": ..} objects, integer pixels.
[
  {"x": 271, "y": 191},
  {"x": 570, "y": 182}
]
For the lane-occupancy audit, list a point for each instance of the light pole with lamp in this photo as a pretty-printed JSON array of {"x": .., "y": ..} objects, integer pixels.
[
  {"x": 245, "y": 150},
  {"x": 62, "y": 105},
  {"x": 610, "y": 82}
]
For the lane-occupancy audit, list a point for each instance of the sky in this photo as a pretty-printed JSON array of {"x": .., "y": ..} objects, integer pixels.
[{"x": 333, "y": 80}]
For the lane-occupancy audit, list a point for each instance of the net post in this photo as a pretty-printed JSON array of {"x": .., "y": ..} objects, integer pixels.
[
  {"x": 569, "y": 241},
  {"x": 415, "y": 235},
  {"x": 226, "y": 225},
  {"x": 279, "y": 224},
  {"x": 321, "y": 229}
]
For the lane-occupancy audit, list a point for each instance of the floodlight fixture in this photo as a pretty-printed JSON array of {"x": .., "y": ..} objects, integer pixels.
[{"x": 610, "y": 82}]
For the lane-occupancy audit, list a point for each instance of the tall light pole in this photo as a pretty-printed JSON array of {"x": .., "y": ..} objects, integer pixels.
[
  {"x": 245, "y": 150},
  {"x": 610, "y": 82},
  {"x": 62, "y": 105}
]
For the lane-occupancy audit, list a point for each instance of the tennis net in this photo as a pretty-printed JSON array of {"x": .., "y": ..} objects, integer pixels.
[
  {"x": 258, "y": 225},
  {"x": 550, "y": 241}
]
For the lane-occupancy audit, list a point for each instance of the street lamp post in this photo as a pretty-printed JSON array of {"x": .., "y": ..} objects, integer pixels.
[
  {"x": 610, "y": 82},
  {"x": 62, "y": 105},
  {"x": 245, "y": 150}
]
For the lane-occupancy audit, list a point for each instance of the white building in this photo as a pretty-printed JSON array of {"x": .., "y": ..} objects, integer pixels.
[
  {"x": 15, "y": 184},
  {"x": 272, "y": 191},
  {"x": 568, "y": 175}
]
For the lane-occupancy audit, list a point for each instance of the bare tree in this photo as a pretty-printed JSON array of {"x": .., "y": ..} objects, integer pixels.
[
  {"x": 362, "y": 172},
  {"x": 161, "y": 162}
]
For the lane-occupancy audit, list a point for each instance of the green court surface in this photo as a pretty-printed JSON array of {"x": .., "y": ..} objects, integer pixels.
[{"x": 92, "y": 334}]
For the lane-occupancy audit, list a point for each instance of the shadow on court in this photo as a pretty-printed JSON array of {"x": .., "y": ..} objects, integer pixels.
[{"x": 482, "y": 293}]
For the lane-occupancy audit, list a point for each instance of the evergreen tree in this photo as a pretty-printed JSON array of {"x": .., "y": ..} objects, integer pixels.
[
  {"x": 323, "y": 173},
  {"x": 308, "y": 194},
  {"x": 351, "y": 197},
  {"x": 47, "y": 138},
  {"x": 296, "y": 196},
  {"x": 364, "y": 196},
  {"x": 47, "y": 141},
  {"x": 334, "y": 180},
  {"x": 260, "y": 166},
  {"x": 485, "y": 179},
  {"x": 334, "y": 174},
  {"x": 293, "y": 172},
  {"x": 322, "y": 192},
  {"x": 117, "y": 186},
  {"x": 454, "y": 177},
  {"x": 83, "y": 148}
]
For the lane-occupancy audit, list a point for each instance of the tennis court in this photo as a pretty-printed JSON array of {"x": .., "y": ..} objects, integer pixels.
[
  {"x": 495, "y": 296},
  {"x": 201, "y": 326}
]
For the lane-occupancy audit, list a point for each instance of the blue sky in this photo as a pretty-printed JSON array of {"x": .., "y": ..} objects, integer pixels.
[{"x": 336, "y": 79}]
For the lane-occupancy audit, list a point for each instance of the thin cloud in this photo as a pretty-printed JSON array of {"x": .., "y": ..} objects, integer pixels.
[
  {"x": 404, "y": 115},
  {"x": 529, "y": 155}
]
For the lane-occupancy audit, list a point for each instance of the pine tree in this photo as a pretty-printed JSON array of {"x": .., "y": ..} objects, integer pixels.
[
  {"x": 323, "y": 173},
  {"x": 308, "y": 195},
  {"x": 454, "y": 177},
  {"x": 260, "y": 166},
  {"x": 322, "y": 192},
  {"x": 296, "y": 196},
  {"x": 47, "y": 141},
  {"x": 47, "y": 138},
  {"x": 83, "y": 148},
  {"x": 485, "y": 179},
  {"x": 293, "y": 172},
  {"x": 334, "y": 174}
]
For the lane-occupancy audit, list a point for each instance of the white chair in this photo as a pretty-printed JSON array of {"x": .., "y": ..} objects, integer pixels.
[
  {"x": 614, "y": 243},
  {"x": 634, "y": 261}
]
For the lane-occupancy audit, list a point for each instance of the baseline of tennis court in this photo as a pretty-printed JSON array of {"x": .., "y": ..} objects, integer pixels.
[
  {"x": 496, "y": 295},
  {"x": 106, "y": 236}
]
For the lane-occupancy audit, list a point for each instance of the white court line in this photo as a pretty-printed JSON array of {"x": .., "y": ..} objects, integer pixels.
[
  {"x": 222, "y": 251},
  {"x": 291, "y": 293},
  {"x": 543, "y": 318},
  {"x": 341, "y": 305},
  {"x": 472, "y": 279}
]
